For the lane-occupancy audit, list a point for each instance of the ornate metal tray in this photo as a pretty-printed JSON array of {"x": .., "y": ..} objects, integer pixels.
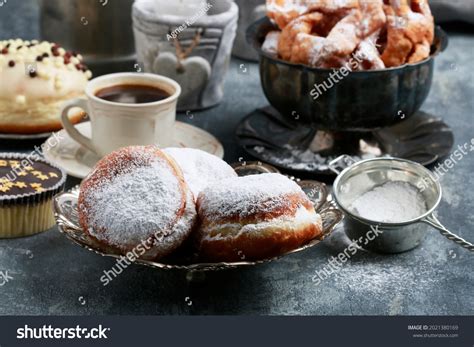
[
  {"x": 66, "y": 215},
  {"x": 266, "y": 135}
]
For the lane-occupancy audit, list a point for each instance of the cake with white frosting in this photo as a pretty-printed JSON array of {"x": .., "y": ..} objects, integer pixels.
[{"x": 36, "y": 79}]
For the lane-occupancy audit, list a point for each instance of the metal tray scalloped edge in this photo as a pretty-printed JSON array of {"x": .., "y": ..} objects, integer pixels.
[{"x": 326, "y": 207}]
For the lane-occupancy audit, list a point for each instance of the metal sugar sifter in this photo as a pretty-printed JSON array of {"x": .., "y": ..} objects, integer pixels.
[{"x": 357, "y": 178}]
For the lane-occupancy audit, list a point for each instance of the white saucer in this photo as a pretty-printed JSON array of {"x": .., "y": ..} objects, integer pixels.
[
  {"x": 78, "y": 161},
  {"x": 4, "y": 136}
]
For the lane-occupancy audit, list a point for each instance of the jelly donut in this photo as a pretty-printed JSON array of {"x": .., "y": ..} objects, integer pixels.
[
  {"x": 40, "y": 77},
  {"x": 136, "y": 201},
  {"x": 254, "y": 217},
  {"x": 200, "y": 168}
]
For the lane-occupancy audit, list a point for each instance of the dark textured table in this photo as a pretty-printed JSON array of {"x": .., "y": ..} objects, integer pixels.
[{"x": 52, "y": 276}]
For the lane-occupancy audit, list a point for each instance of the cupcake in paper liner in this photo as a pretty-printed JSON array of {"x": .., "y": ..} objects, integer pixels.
[{"x": 28, "y": 184}]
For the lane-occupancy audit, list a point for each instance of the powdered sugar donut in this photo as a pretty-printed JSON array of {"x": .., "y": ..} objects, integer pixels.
[
  {"x": 254, "y": 217},
  {"x": 200, "y": 168},
  {"x": 136, "y": 201}
]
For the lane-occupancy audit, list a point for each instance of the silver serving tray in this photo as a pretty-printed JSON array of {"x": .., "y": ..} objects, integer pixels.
[{"x": 67, "y": 219}]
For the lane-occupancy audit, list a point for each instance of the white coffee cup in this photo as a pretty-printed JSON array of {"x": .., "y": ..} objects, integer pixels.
[{"x": 115, "y": 125}]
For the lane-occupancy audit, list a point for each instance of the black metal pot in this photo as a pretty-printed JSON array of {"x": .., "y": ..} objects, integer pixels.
[{"x": 360, "y": 101}]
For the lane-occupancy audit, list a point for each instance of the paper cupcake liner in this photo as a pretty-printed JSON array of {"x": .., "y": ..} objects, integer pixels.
[{"x": 18, "y": 221}]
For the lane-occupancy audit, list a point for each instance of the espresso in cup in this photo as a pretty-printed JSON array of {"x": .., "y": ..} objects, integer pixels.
[
  {"x": 126, "y": 109},
  {"x": 132, "y": 94}
]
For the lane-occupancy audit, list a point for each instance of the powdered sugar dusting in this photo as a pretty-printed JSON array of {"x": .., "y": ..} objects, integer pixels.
[
  {"x": 270, "y": 45},
  {"x": 137, "y": 203},
  {"x": 368, "y": 53},
  {"x": 303, "y": 6},
  {"x": 245, "y": 196},
  {"x": 298, "y": 6},
  {"x": 392, "y": 202},
  {"x": 371, "y": 278},
  {"x": 306, "y": 160},
  {"x": 200, "y": 168}
]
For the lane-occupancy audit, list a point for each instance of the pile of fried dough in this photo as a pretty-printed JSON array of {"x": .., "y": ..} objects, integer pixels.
[{"x": 328, "y": 33}]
